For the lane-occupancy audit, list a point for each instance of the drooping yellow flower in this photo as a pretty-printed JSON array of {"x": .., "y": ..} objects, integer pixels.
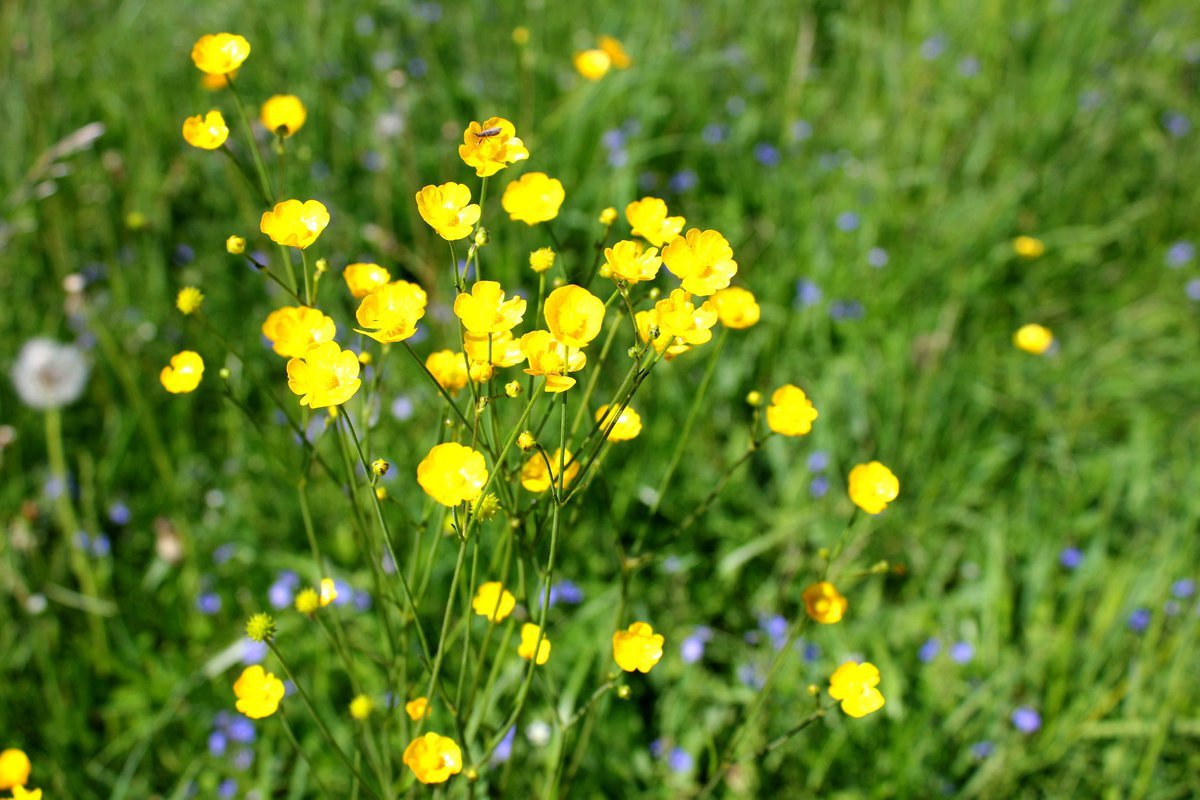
[
  {"x": 449, "y": 369},
  {"x": 326, "y": 375},
  {"x": 433, "y": 758},
  {"x": 448, "y": 210},
  {"x": 824, "y": 603},
  {"x": 485, "y": 310},
  {"x": 390, "y": 312},
  {"x": 328, "y": 591},
  {"x": 631, "y": 263},
  {"x": 1028, "y": 247},
  {"x": 1033, "y": 338},
  {"x": 188, "y": 300},
  {"x": 184, "y": 372},
  {"x": 534, "y": 197},
  {"x": 541, "y": 259},
  {"x": 283, "y": 114},
  {"x": 362, "y": 279},
  {"x": 702, "y": 260},
  {"x": 452, "y": 473},
  {"x": 679, "y": 318},
  {"x": 637, "y": 648},
  {"x": 220, "y": 53},
  {"x": 308, "y": 601},
  {"x": 14, "y": 768},
  {"x": 529, "y": 641},
  {"x": 873, "y": 486},
  {"x": 574, "y": 315},
  {"x": 295, "y": 224},
  {"x": 736, "y": 307},
  {"x": 493, "y": 601},
  {"x": 791, "y": 413},
  {"x": 854, "y": 685},
  {"x": 491, "y": 146},
  {"x": 592, "y": 64},
  {"x": 417, "y": 708},
  {"x": 206, "y": 132},
  {"x": 648, "y": 219},
  {"x": 551, "y": 359},
  {"x": 616, "y": 51},
  {"x": 361, "y": 707},
  {"x": 537, "y": 476},
  {"x": 21, "y": 793},
  {"x": 258, "y": 692},
  {"x": 294, "y": 329},
  {"x": 629, "y": 423},
  {"x": 215, "y": 83}
]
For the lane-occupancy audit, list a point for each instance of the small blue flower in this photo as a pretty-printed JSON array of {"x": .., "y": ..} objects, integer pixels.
[
  {"x": 933, "y": 47},
  {"x": 680, "y": 760},
  {"x": 818, "y": 461},
  {"x": 101, "y": 546},
  {"x": 819, "y": 487},
  {"x": 208, "y": 603},
  {"x": 812, "y": 652},
  {"x": 362, "y": 601},
  {"x": 183, "y": 255},
  {"x": 962, "y": 652},
  {"x": 657, "y": 747},
  {"x": 402, "y": 408},
  {"x": 735, "y": 106},
  {"x": 877, "y": 257},
  {"x": 1180, "y": 254},
  {"x": 253, "y": 652},
  {"x": 801, "y": 131},
  {"x": 613, "y": 139},
  {"x": 776, "y": 627},
  {"x": 749, "y": 675},
  {"x": 503, "y": 751},
  {"x": 929, "y": 651},
  {"x": 766, "y": 154},
  {"x": 243, "y": 759},
  {"x": 807, "y": 293},
  {"x": 280, "y": 595},
  {"x": 1183, "y": 588},
  {"x": 1026, "y": 720},
  {"x": 1139, "y": 620},
  {"x": 223, "y": 553},
  {"x": 1176, "y": 124},
  {"x": 217, "y": 743},
  {"x": 241, "y": 730},
  {"x": 846, "y": 310},
  {"x": 683, "y": 181},
  {"x": 119, "y": 513},
  {"x": 417, "y": 67},
  {"x": 1070, "y": 557},
  {"x": 968, "y": 67},
  {"x": 847, "y": 221},
  {"x": 227, "y": 789},
  {"x": 981, "y": 750},
  {"x": 714, "y": 133},
  {"x": 1193, "y": 289},
  {"x": 565, "y": 592},
  {"x": 647, "y": 181}
]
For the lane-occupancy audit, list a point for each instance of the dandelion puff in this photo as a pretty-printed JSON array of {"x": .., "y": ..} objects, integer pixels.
[{"x": 48, "y": 374}]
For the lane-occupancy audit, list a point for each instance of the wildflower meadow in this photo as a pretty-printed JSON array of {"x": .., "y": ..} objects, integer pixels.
[{"x": 662, "y": 400}]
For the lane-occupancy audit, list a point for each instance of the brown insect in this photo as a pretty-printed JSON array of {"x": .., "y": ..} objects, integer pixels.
[{"x": 487, "y": 133}]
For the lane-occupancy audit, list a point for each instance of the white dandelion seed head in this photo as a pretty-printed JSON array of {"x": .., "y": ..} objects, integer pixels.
[{"x": 48, "y": 374}]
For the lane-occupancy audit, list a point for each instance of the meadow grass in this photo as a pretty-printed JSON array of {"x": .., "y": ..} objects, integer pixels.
[{"x": 818, "y": 137}]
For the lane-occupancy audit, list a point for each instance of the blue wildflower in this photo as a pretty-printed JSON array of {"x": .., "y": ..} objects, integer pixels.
[
  {"x": 962, "y": 652},
  {"x": 807, "y": 293},
  {"x": 1139, "y": 620},
  {"x": 1180, "y": 254},
  {"x": 1026, "y": 720},
  {"x": 1070, "y": 557},
  {"x": 929, "y": 651}
]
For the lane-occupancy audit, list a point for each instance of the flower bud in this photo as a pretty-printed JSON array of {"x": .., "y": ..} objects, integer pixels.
[
  {"x": 235, "y": 245},
  {"x": 482, "y": 238},
  {"x": 526, "y": 441},
  {"x": 513, "y": 388},
  {"x": 754, "y": 399},
  {"x": 380, "y": 467},
  {"x": 260, "y": 628},
  {"x": 608, "y": 216}
]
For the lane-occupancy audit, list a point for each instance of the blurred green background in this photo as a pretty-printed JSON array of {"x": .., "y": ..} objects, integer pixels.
[{"x": 869, "y": 161}]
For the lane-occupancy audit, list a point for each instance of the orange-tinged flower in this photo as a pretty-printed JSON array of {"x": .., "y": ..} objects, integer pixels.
[
  {"x": 183, "y": 374},
  {"x": 326, "y": 375},
  {"x": 485, "y": 310},
  {"x": 448, "y": 210},
  {"x": 537, "y": 476},
  {"x": 854, "y": 685},
  {"x": 574, "y": 315},
  {"x": 631, "y": 263},
  {"x": 592, "y": 64},
  {"x": 362, "y": 279},
  {"x": 417, "y": 709},
  {"x": 534, "y": 197},
  {"x": 551, "y": 359},
  {"x": 452, "y": 473},
  {"x": 491, "y": 146},
  {"x": 873, "y": 486},
  {"x": 824, "y": 603},
  {"x": 433, "y": 758},
  {"x": 1033, "y": 338},
  {"x": 530, "y": 634},
  {"x": 702, "y": 260},
  {"x": 648, "y": 219},
  {"x": 616, "y": 51},
  {"x": 283, "y": 114},
  {"x": 295, "y": 224},
  {"x": 294, "y": 329},
  {"x": 637, "y": 648},
  {"x": 628, "y": 425},
  {"x": 258, "y": 692},
  {"x": 390, "y": 312},
  {"x": 791, "y": 413},
  {"x": 220, "y": 53},
  {"x": 14, "y": 768},
  {"x": 493, "y": 601},
  {"x": 679, "y": 318},
  {"x": 449, "y": 369},
  {"x": 736, "y": 307},
  {"x": 206, "y": 132}
]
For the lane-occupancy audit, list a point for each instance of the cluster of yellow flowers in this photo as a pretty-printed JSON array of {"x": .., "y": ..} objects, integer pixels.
[
  {"x": 14, "y": 775},
  {"x": 1032, "y": 338}
]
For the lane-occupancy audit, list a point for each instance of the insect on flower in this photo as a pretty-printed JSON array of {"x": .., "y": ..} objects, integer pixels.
[{"x": 488, "y": 133}]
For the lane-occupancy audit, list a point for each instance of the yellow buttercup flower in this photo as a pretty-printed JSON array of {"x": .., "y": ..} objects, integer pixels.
[
  {"x": 328, "y": 592},
  {"x": 631, "y": 263},
  {"x": 824, "y": 603},
  {"x": 1028, "y": 247},
  {"x": 647, "y": 324},
  {"x": 537, "y": 476},
  {"x": 14, "y": 768},
  {"x": 362, "y": 279},
  {"x": 308, "y": 601},
  {"x": 452, "y": 473},
  {"x": 1033, "y": 338},
  {"x": 183, "y": 374},
  {"x": 390, "y": 312},
  {"x": 491, "y": 146},
  {"x": 485, "y": 310},
  {"x": 283, "y": 114},
  {"x": 258, "y": 692},
  {"x": 497, "y": 349},
  {"x": 637, "y": 648},
  {"x": 326, "y": 375},
  {"x": 629, "y": 423},
  {"x": 702, "y": 260},
  {"x": 592, "y": 64},
  {"x": 541, "y": 259},
  {"x": 615, "y": 50},
  {"x": 534, "y": 197},
  {"x": 448, "y": 210},
  {"x": 529, "y": 641},
  {"x": 608, "y": 216},
  {"x": 361, "y": 707},
  {"x": 417, "y": 709},
  {"x": 551, "y": 359},
  {"x": 679, "y": 318},
  {"x": 235, "y": 245},
  {"x": 21, "y": 793},
  {"x": 873, "y": 486},
  {"x": 854, "y": 685},
  {"x": 574, "y": 315},
  {"x": 449, "y": 369},
  {"x": 206, "y": 132},
  {"x": 736, "y": 307},
  {"x": 295, "y": 224},
  {"x": 648, "y": 219},
  {"x": 216, "y": 82},
  {"x": 188, "y": 300},
  {"x": 294, "y": 329},
  {"x": 493, "y": 601},
  {"x": 220, "y": 53},
  {"x": 791, "y": 413},
  {"x": 433, "y": 758}
]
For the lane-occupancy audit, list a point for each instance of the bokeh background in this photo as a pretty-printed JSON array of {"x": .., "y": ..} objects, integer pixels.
[{"x": 871, "y": 163}]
